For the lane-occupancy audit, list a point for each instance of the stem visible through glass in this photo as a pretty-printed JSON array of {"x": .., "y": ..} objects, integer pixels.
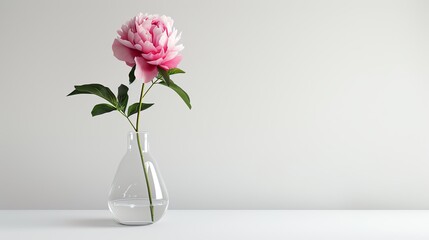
[
  {"x": 141, "y": 152},
  {"x": 146, "y": 176}
]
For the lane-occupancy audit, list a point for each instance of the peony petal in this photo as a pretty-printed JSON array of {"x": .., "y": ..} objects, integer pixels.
[
  {"x": 172, "y": 63},
  {"x": 178, "y": 38},
  {"x": 144, "y": 70},
  {"x": 170, "y": 55},
  {"x": 172, "y": 39},
  {"x": 167, "y": 22},
  {"x": 156, "y": 35},
  {"x": 156, "y": 62},
  {"x": 146, "y": 23},
  {"x": 130, "y": 37},
  {"x": 148, "y": 47},
  {"x": 152, "y": 57},
  {"x": 163, "y": 40},
  {"x": 145, "y": 35},
  {"x": 137, "y": 38},
  {"x": 125, "y": 42},
  {"x": 178, "y": 48},
  {"x": 138, "y": 47},
  {"x": 124, "y": 53}
]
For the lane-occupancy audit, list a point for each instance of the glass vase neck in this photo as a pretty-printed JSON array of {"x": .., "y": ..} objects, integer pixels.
[{"x": 138, "y": 140}]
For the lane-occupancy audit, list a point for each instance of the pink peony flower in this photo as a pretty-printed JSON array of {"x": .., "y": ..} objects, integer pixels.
[{"x": 148, "y": 42}]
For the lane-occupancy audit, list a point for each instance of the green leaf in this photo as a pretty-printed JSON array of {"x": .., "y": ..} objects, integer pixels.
[
  {"x": 134, "y": 108},
  {"x": 179, "y": 91},
  {"x": 96, "y": 89},
  {"x": 131, "y": 75},
  {"x": 102, "y": 108},
  {"x": 122, "y": 97},
  {"x": 164, "y": 75},
  {"x": 74, "y": 93},
  {"x": 173, "y": 71}
]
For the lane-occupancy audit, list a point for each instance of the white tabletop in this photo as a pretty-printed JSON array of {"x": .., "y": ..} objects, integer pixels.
[{"x": 214, "y": 224}]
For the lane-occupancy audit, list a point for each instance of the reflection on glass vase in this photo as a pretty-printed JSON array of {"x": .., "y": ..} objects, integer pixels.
[{"x": 138, "y": 195}]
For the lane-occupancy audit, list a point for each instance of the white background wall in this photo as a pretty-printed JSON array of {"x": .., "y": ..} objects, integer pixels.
[{"x": 297, "y": 104}]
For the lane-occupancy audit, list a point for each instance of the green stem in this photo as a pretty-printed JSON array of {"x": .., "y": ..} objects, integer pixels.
[
  {"x": 146, "y": 177},
  {"x": 142, "y": 95},
  {"x": 153, "y": 83},
  {"x": 141, "y": 152},
  {"x": 140, "y": 108},
  {"x": 132, "y": 125}
]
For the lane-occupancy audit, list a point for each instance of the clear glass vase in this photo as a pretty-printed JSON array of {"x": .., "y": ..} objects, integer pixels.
[{"x": 138, "y": 195}]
